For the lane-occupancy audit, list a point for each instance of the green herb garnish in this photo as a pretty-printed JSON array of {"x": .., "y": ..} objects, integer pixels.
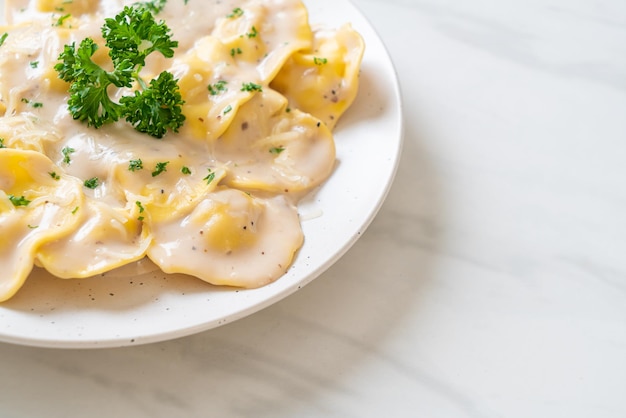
[
  {"x": 154, "y": 6},
  {"x": 251, "y": 87},
  {"x": 131, "y": 37},
  {"x": 253, "y": 33},
  {"x": 160, "y": 168},
  {"x": 19, "y": 201},
  {"x": 237, "y": 12},
  {"x": 36, "y": 105},
  {"x": 141, "y": 210},
  {"x": 66, "y": 154},
  {"x": 134, "y": 165},
  {"x": 92, "y": 183},
  {"x": 210, "y": 177},
  {"x": 62, "y": 19},
  {"x": 217, "y": 88}
]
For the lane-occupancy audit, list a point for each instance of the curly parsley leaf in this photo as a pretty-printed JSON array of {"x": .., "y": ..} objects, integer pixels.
[
  {"x": 157, "y": 108},
  {"x": 134, "y": 34},
  {"x": 131, "y": 36},
  {"x": 89, "y": 99}
]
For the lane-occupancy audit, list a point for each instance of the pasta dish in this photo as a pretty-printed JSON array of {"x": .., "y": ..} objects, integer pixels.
[{"x": 182, "y": 131}]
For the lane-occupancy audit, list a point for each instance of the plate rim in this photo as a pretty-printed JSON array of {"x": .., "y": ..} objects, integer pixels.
[{"x": 112, "y": 342}]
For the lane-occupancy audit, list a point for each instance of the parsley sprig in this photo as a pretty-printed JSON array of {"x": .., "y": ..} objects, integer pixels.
[{"x": 131, "y": 37}]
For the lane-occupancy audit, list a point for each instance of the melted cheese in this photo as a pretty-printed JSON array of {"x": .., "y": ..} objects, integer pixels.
[{"x": 218, "y": 200}]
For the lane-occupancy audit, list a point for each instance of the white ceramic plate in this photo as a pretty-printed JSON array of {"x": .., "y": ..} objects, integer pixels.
[{"x": 112, "y": 312}]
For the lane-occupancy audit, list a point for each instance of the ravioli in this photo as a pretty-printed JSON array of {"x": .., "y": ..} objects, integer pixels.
[
  {"x": 217, "y": 199},
  {"x": 37, "y": 204},
  {"x": 111, "y": 237},
  {"x": 243, "y": 50},
  {"x": 323, "y": 80},
  {"x": 270, "y": 147},
  {"x": 230, "y": 238}
]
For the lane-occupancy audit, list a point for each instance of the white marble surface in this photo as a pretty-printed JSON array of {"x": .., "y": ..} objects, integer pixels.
[{"x": 492, "y": 283}]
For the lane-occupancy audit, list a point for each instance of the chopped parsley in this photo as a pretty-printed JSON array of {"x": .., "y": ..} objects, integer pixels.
[
  {"x": 36, "y": 105},
  {"x": 185, "y": 170},
  {"x": 210, "y": 177},
  {"x": 237, "y": 12},
  {"x": 54, "y": 175},
  {"x": 160, "y": 168},
  {"x": 34, "y": 64},
  {"x": 3, "y": 38},
  {"x": 62, "y": 19},
  {"x": 134, "y": 165},
  {"x": 218, "y": 87},
  {"x": 66, "y": 154},
  {"x": 2, "y": 143},
  {"x": 227, "y": 109},
  {"x": 277, "y": 150},
  {"x": 92, "y": 183},
  {"x": 75, "y": 210},
  {"x": 253, "y": 33},
  {"x": 251, "y": 87},
  {"x": 320, "y": 61},
  {"x": 235, "y": 51},
  {"x": 19, "y": 201},
  {"x": 141, "y": 210}
]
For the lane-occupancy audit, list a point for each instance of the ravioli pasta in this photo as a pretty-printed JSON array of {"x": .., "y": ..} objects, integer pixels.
[{"x": 216, "y": 200}]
